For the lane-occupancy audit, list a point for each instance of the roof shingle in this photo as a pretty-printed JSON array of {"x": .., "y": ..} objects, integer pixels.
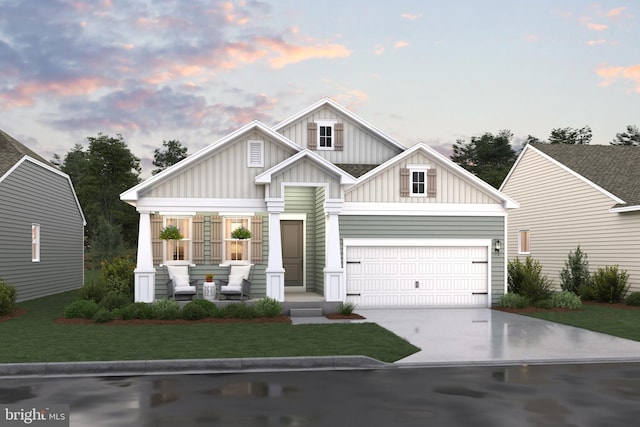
[{"x": 11, "y": 151}]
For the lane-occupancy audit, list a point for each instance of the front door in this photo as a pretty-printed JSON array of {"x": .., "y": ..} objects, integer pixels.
[{"x": 292, "y": 253}]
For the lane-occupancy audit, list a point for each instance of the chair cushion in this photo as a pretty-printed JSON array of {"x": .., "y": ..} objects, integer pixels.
[
  {"x": 235, "y": 280},
  {"x": 185, "y": 289},
  {"x": 175, "y": 270},
  {"x": 230, "y": 288},
  {"x": 244, "y": 270},
  {"x": 181, "y": 281}
]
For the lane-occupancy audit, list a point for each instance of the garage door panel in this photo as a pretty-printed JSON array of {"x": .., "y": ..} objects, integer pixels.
[{"x": 445, "y": 276}]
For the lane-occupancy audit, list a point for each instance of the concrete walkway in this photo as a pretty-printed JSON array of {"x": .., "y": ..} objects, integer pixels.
[{"x": 484, "y": 336}]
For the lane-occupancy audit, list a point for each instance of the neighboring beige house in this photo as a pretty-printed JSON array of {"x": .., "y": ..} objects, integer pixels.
[{"x": 570, "y": 195}]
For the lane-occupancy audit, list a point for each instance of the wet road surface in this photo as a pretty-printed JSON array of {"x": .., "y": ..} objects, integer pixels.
[{"x": 541, "y": 395}]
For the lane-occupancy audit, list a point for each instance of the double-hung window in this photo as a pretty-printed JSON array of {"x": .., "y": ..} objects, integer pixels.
[
  {"x": 236, "y": 250},
  {"x": 178, "y": 250},
  {"x": 325, "y": 135},
  {"x": 418, "y": 180},
  {"x": 35, "y": 242},
  {"x": 524, "y": 242}
]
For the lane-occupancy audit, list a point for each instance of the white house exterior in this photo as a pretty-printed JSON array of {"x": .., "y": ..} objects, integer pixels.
[
  {"x": 336, "y": 207},
  {"x": 570, "y": 195}
]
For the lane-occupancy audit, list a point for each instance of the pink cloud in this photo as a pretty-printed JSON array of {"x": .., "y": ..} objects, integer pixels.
[
  {"x": 411, "y": 17},
  {"x": 616, "y": 12},
  {"x": 597, "y": 27},
  {"x": 596, "y": 42},
  {"x": 531, "y": 38},
  {"x": 378, "y": 49},
  {"x": 287, "y": 53},
  {"x": 611, "y": 75},
  {"x": 401, "y": 43},
  {"x": 352, "y": 98}
]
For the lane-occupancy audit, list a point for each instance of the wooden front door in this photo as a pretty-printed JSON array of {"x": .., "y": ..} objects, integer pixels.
[{"x": 292, "y": 253}]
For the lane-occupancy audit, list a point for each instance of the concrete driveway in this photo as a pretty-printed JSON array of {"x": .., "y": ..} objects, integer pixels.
[{"x": 484, "y": 336}]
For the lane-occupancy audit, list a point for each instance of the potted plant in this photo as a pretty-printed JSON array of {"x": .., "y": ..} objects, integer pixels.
[
  {"x": 239, "y": 233},
  {"x": 171, "y": 232},
  {"x": 208, "y": 277}
]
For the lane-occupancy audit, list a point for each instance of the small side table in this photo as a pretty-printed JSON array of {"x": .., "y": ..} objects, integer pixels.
[{"x": 209, "y": 291}]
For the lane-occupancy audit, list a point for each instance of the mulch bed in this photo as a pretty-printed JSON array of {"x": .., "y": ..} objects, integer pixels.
[
  {"x": 338, "y": 316},
  {"x": 16, "y": 312},
  {"x": 619, "y": 305},
  {"x": 277, "y": 319}
]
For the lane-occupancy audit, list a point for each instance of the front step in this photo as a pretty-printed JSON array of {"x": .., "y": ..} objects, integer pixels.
[{"x": 306, "y": 312}]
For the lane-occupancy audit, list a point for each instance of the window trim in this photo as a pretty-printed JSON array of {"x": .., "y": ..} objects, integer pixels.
[
  {"x": 188, "y": 240},
  {"x": 330, "y": 124},
  {"x": 520, "y": 241},
  {"x": 421, "y": 169},
  {"x": 225, "y": 239},
  {"x": 250, "y": 162},
  {"x": 35, "y": 242}
]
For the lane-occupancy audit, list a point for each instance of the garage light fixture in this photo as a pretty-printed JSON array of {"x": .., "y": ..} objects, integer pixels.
[{"x": 497, "y": 246}]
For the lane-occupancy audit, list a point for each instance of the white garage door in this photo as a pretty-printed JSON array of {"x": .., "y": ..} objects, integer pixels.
[{"x": 394, "y": 276}]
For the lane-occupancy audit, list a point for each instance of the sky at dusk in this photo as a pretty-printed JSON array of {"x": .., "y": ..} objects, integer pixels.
[{"x": 419, "y": 70}]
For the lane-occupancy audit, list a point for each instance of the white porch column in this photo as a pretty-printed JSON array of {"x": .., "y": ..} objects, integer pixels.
[
  {"x": 334, "y": 287},
  {"x": 145, "y": 274},
  {"x": 275, "y": 271}
]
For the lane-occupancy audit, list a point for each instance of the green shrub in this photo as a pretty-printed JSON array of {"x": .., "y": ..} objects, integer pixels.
[
  {"x": 210, "y": 308},
  {"x": 633, "y": 299},
  {"x": 544, "y": 303},
  {"x": 526, "y": 279},
  {"x": 346, "y": 308},
  {"x": 239, "y": 311},
  {"x": 193, "y": 311},
  {"x": 84, "y": 309},
  {"x": 166, "y": 309},
  {"x": 137, "y": 310},
  {"x": 513, "y": 300},
  {"x": 575, "y": 272},
  {"x": 7, "y": 297},
  {"x": 103, "y": 316},
  {"x": 117, "y": 285},
  {"x": 120, "y": 268},
  {"x": 93, "y": 290},
  {"x": 566, "y": 299},
  {"x": 113, "y": 301},
  {"x": 586, "y": 292},
  {"x": 610, "y": 284},
  {"x": 268, "y": 307}
]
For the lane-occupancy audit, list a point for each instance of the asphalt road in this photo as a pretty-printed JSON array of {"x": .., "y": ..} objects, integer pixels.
[{"x": 540, "y": 395}]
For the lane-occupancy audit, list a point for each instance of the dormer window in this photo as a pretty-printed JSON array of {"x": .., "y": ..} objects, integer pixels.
[{"x": 325, "y": 135}]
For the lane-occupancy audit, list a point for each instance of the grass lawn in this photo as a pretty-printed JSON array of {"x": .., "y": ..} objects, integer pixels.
[
  {"x": 624, "y": 323},
  {"x": 34, "y": 337}
]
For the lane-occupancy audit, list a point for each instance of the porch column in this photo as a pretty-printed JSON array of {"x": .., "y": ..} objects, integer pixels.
[
  {"x": 145, "y": 274},
  {"x": 334, "y": 287},
  {"x": 275, "y": 271}
]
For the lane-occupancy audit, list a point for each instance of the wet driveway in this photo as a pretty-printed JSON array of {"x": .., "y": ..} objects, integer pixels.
[{"x": 540, "y": 395}]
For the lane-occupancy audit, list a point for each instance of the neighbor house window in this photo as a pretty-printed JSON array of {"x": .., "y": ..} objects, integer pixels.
[
  {"x": 325, "y": 135},
  {"x": 236, "y": 250},
  {"x": 178, "y": 250},
  {"x": 35, "y": 242},
  {"x": 523, "y": 242}
]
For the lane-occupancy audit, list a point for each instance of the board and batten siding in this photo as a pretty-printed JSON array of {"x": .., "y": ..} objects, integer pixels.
[
  {"x": 450, "y": 187},
  {"x": 360, "y": 146},
  {"x": 224, "y": 174},
  {"x": 433, "y": 227},
  {"x": 33, "y": 194},
  {"x": 304, "y": 171},
  {"x": 561, "y": 212}
]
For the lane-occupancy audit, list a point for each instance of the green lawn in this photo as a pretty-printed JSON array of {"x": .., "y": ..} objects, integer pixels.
[
  {"x": 34, "y": 337},
  {"x": 609, "y": 320}
]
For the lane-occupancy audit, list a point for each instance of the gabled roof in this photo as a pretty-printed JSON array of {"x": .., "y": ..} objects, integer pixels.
[
  {"x": 443, "y": 162},
  {"x": 343, "y": 111},
  {"x": 132, "y": 193},
  {"x": 612, "y": 168},
  {"x": 11, "y": 151},
  {"x": 345, "y": 178}
]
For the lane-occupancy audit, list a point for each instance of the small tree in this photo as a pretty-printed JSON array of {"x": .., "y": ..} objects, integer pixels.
[{"x": 575, "y": 273}]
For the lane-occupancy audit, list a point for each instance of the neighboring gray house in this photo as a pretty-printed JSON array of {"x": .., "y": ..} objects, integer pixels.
[
  {"x": 570, "y": 195},
  {"x": 42, "y": 251},
  {"x": 339, "y": 211}
]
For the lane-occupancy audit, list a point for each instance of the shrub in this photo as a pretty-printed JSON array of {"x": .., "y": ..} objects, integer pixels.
[
  {"x": 103, "y": 316},
  {"x": 268, "y": 307},
  {"x": 544, "y": 303},
  {"x": 346, "y": 308},
  {"x": 137, "y": 310},
  {"x": 210, "y": 308},
  {"x": 513, "y": 300},
  {"x": 7, "y": 297},
  {"x": 94, "y": 290},
  {"x": 527, "y": 280},
  {"x": 575, "y": 272},
  {"x": 193, "y": 311},
  {"x": 118, "y": 275},
  {"x": 585, "y": 291},
  {"x": 566, "y": 299},
  {"x": 113, "y": 301},
  {"x": 633, "y": 299},
  {"x": 166, "y": 309},
  {"x": 610, "y": 284},
  {"x": 239, "y": 311},
  {"x": 84, "y": 309}
]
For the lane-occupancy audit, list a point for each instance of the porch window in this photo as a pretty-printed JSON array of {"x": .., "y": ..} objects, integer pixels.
[
  {"x": 524, "y": 242},
  {"x": 236, "y": 250},
  {"x": 35, "y": 242},
  {"x": 178, "y": 250}
]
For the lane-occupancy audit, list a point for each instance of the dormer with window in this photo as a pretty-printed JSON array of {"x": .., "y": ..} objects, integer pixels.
[{"x": 325, "y": 135}]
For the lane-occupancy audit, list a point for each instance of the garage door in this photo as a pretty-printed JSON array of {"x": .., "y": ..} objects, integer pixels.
[{"x": 420, "y": 276}]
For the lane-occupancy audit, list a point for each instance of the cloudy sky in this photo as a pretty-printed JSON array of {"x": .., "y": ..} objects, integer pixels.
[{"x": 420, "y": 70}]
